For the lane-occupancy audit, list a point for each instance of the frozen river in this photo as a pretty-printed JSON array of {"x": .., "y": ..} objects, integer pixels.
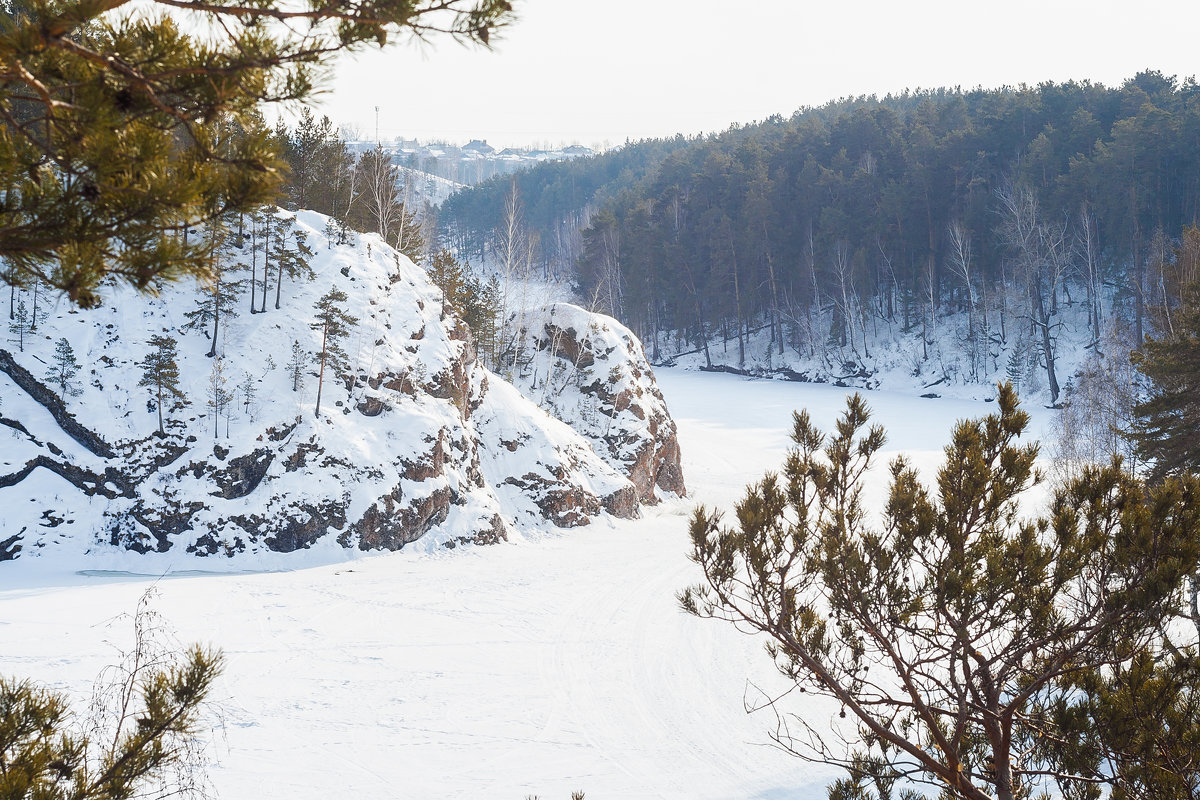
[{"x": 549, "y": 664}]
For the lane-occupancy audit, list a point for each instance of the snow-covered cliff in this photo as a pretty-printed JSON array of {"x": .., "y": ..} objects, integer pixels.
[{"x": 416, "y": 439}]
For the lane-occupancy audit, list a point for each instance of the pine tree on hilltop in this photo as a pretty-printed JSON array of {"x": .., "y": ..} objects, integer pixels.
[
  {"x": 334, "y": 324},
  {"x": 160, "y": 372},
  {"x": 290, "y": 252},
  {"x": 64, "y": 369}
]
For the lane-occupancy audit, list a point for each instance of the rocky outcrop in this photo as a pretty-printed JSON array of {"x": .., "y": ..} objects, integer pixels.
[
  {"x": 590, "y": 371},
  {"x": 416, "y": 441},
  {"x": 54, "y": 404}
]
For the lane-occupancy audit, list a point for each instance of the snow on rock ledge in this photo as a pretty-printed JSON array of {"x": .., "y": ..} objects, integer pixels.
[
  {"x": 415, "y": 441},
  {"x": 590, "y": 371}
]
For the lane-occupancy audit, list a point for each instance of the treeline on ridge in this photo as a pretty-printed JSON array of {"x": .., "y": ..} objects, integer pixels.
[{"x": 1000, "y": 203}]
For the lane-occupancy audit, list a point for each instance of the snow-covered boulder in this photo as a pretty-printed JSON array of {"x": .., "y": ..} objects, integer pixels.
[
  {"x": 590, "y": 371},
  {"x": 415, "y": 440}
]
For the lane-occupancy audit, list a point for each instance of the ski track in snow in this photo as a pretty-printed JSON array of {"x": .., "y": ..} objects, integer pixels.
[{"x": 550, "y": 664}]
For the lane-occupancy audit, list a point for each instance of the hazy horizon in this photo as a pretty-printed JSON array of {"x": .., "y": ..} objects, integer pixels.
[{"x": 563, "y": 74}]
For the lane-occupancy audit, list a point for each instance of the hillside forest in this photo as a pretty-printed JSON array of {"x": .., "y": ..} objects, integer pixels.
[{"x": 1007, "y": 212}]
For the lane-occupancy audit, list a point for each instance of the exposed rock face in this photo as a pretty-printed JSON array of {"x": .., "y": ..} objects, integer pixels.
[
  {"x": 590, "y": 370},
  {"x": 416, "y": 440}
]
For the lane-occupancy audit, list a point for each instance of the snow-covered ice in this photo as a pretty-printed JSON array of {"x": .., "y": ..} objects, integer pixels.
[{"x": 553, "y": 663}]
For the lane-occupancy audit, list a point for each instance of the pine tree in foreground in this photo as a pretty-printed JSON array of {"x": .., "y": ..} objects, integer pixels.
[
  {"x": 160, "y": 372},
  {"x": 974, "y": 648},
  {"x": 334, "y": 324},
  {"x": 122, "y": 132},
  {"x": 142, "y": 738},
  {"x": 64, "y": 369}
]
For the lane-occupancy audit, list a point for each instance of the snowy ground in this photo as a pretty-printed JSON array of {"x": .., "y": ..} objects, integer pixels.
[{"x": 534, "y": 668}]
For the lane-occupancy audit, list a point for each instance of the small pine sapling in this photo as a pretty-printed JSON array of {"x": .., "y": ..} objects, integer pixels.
[
  {"x": 249, "y": 391},
  {"x": 218, "y": 396},
  {"x": 160, "y": 372},
  {"x": 296, "y": 365},
  {"x": 19, "y": 325},
  {"x": 334, "y": 324},
  {"x": 63, "y": 370}
]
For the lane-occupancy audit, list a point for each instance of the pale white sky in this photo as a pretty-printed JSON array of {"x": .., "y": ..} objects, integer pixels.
[{"x": 601, "y": 71}]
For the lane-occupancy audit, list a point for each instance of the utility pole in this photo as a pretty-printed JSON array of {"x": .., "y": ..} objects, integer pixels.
[{"x": 376, "y": 126}]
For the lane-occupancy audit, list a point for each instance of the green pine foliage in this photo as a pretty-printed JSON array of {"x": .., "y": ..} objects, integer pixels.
[
  {"x": 119, "y": 133},
  {"x": 1166, "y": 430},
  {"x": 160, "y": 372},
  {"x": 63, "y": 370},
  {"x": 43, "y": 755},
  {"x": 476, "y": 301},
  {"x": 973, "y": 646},
  {"x": 334, "y": 323}
]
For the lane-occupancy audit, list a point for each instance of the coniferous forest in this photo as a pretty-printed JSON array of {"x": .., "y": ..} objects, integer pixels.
[{"x": 1003, "y": 205}]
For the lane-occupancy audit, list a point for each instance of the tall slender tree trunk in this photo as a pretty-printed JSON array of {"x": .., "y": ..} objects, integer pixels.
[
  {"x": 321, "y": 376},
  {"x": 266, "y": 262},
  {"x": 158, "y": 383}
]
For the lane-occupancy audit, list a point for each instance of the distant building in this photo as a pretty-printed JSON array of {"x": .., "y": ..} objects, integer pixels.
[
  {"x": 479, "y": 146},
  {"x": 577, "y": 151}
]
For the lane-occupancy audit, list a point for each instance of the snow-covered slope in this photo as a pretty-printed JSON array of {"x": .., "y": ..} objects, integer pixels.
[{"x": 415, "y": 438}]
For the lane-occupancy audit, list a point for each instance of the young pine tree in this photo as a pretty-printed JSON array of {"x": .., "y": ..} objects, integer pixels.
[
  {"x": 19, "y": 326},
  {"x": 289, "y": 252},
  {"x": 334, "y": 324},
  {"x": 218, "y": 395},
  {"x": 64, "y": 369},
  {"x": 974, "y": 647},
  {"x": 296, "y": 365},
  {"x": 249, "y": 389},
  {"x": 160, "y": 372},
  {"x": 218, "y": 298}
]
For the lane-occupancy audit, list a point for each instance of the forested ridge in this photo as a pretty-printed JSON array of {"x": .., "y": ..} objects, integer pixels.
[{"x": 1002, "y": 205}]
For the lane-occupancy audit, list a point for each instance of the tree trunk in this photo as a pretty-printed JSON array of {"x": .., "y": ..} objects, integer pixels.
[{"x": 321, "y": 377}]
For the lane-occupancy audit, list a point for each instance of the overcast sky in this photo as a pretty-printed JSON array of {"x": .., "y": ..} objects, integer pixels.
[{"x": 601, "y": 71}]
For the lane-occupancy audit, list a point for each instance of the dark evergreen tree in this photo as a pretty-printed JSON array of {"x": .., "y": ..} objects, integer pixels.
[
  {"x": 961, "y": 636},
  {"x": 475, "y": 301},
  {"x": 1166, "y": 431},
  {"x": 334, "y": 324},
  {"x": 218, "y": 298},
  {"x": 63, "y": 370},
  {"x": 115, "y": 130},
  {"x": 296, "y": 365},
  {"x": 160, "y": 372}
]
